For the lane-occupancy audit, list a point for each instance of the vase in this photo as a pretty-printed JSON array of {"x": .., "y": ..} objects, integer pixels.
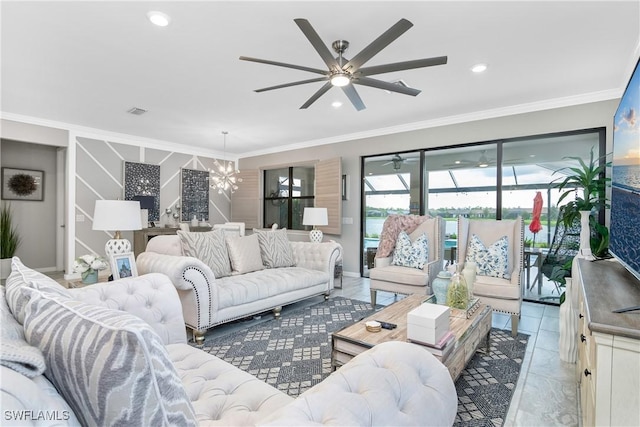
[
  {"x": 469, "y": 273},
  {"x": 458, "y": 292},
  {"x": 90, "y": 278},
  {"x": 585, "y": 234},
  {"x": 567, "y": 343},
  {"x": 440, "y": 286}
]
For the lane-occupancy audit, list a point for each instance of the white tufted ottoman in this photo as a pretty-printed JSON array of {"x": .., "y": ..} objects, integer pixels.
[{"x": 392, "y": 384}]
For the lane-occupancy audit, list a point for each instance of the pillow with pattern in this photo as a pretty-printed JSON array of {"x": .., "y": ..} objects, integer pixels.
[
  {"x": 109, "y": 366},
  {"x": 492, "y": 261},
  {"x": 209, "y": 247},
  {"x": 411, "y": 254},
  {"x": 275, "y": 248}
]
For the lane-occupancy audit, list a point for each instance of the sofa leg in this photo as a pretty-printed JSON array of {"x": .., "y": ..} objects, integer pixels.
[
  {"x": 277, "y": 311},
  {"x": 198, "y": 337},
  {"x": 326, "y": 296},
  {"x": 373, "y": 297},
  {"x": 514, "y": 325}
]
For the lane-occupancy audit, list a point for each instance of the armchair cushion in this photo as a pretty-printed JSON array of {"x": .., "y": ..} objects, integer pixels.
[
  {"x": 275, "y": 248},
  {"x": 491, "y": 261},
  {"x": 411, "y": 254},
  {"x": 209, "y": 247},
  {"x": 404, "y": 275},
  {"x": 99, "y": 359},
  {"x": 495, "y": 287}
]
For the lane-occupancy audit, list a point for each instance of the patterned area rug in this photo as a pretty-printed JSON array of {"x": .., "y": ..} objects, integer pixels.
[{"x": 294, "y": 353}]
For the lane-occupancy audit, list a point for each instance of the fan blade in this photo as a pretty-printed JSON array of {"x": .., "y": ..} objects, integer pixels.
[
  {"x": 377, "y": 45},
  {"x": 353, "y": 96},
  {"x": 317, "y": 43},
  {"x": 317, "y": 95},
  {"x": 301, "y": 82},
  {"x": 283, "y": 64},
  {"x": 392, "y": 87},
  {"x": 405, "y": 65}
]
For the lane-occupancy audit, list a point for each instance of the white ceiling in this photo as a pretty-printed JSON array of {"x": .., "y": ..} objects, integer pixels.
[{"x": 86, "y": 63}]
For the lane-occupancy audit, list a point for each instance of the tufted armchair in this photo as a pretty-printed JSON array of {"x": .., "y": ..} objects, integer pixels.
[
  {"x": 407, "y": 280},
  {"x": 504, "y": 293}
]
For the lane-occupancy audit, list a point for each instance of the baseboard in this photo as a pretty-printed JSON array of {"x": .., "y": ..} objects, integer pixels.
[{"x": 350, "y": 274}]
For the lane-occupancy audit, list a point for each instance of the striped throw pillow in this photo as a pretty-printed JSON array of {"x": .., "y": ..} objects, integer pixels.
[
  {"x": 275, "y": 249},
  {"x": 109, "y": 366}
]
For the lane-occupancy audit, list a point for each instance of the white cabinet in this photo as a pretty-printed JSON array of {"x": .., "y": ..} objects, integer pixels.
[{"x": 608, "y": 367}]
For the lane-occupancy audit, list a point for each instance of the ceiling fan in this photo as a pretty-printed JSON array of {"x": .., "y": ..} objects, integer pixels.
[
  {"x": 345, "y": 73},
  {"x": 397, "y": 161},
  {"x": 482, "y": 162}
]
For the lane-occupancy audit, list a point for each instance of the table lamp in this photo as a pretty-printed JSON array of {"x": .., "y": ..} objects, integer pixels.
[
  {"x": 117, "y": 215},
  {"x": 315, "y": 217}
]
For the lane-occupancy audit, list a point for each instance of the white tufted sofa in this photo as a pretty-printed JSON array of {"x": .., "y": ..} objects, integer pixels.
[
  {"x": 207, "y": 301},
  {"x": 392, "y": 384}
]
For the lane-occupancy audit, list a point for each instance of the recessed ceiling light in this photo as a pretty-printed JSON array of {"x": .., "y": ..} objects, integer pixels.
[
  {"x": 158, "y": 18},
  {"x": 479, "y": 68},
  {"x": 336, "y": 104}
]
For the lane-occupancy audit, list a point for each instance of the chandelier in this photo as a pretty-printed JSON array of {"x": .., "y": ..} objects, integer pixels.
[{"x": 223, "y": 175}]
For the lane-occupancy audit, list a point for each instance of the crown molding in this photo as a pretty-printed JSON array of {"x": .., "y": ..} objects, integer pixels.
[
  {"x": 120, "y": 138},
  {"x": 549, "y": 104}
]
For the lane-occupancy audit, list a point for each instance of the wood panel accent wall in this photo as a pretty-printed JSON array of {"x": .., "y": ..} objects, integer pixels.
[
  {"x": 246, "y": 202},
  {"x": 328, "y": 193}
]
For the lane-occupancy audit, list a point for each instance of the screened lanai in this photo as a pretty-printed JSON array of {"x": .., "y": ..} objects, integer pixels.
[{"x": 497, "y": 179}]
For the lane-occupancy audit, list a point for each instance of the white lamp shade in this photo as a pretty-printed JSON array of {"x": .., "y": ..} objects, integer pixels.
[
  {"x": 315, "y": 216},
  {"x": 117, "y": 215}
]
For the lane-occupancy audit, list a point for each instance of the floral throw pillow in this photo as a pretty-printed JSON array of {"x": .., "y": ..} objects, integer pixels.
[
  {"x": 411, "y": 254},
  {"x": 492, "y": 261}
]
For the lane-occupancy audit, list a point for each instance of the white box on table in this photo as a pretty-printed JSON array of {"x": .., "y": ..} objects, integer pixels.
[{"x": 428, "y": 323}]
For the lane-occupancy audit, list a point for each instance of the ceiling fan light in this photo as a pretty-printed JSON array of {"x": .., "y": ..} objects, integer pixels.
[
  {"x": 483, "y": 165},
  {"x": 340, "y": 80}
]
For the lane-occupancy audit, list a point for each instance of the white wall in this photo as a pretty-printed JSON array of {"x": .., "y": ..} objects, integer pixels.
[
  {"x": 35, "y": 220},
  {"x": 585, "y": 116}
]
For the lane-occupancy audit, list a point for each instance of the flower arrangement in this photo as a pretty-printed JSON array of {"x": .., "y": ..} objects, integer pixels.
[{"x": 87, "y": 264}]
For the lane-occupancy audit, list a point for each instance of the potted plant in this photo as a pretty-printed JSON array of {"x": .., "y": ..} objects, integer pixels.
[
  {"x": 588, "y": 182},
  {"x": 88, "y": 267},
  {"x": 9, "y": 240}
]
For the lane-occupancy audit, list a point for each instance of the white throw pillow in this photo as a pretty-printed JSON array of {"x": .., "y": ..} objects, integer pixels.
[
  {"x": 492, "y": 261},
  {"x": 411, "y": 254},
  {"x": 275, "y": 248},
  {"x": 244, "y": 253}
]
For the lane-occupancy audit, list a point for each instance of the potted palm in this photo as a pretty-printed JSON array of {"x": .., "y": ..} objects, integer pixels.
[
  {"x": 588, "y": 182},
  {"x": 9, "y": 240}
]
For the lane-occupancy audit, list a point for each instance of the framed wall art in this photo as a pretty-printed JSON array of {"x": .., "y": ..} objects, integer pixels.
[
  {"x": 143, "y": 179},
  {"x": 22, "y": 184},
  {"x": 194, "y": 191}
]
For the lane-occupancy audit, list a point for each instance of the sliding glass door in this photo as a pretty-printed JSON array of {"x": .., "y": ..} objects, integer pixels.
[{"x": 495, "y": 180}]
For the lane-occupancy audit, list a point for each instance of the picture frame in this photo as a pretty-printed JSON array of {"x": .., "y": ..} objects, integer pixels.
[
  {"x": 22, "y": 184},
  {"x": 123, "y": 265}
]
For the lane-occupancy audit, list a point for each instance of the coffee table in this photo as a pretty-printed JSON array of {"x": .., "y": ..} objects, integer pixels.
[{"x": 470, "y": 333}]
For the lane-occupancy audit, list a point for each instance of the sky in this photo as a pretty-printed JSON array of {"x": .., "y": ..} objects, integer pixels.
[{"x": 626, "y": 139}]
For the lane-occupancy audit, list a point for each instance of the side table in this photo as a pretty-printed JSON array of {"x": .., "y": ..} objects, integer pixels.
[
  {"x": 77, "y": 283},
  {"x": 337, "y": 275}
]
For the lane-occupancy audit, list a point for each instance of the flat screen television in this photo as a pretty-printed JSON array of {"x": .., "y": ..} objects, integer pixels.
[{"x": 624, "y": 227}]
